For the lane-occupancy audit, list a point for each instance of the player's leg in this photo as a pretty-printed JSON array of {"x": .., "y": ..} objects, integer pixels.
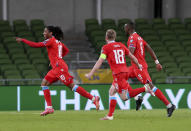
[
  {"x": 67, "y": 79},
  {"x": 48, "y": 80},
  {"x": 112, "y": 103},
  {"x": 124, "y": 89},
  {"x": 144, "y": 77},
  {"x": 170, "y": 107}
]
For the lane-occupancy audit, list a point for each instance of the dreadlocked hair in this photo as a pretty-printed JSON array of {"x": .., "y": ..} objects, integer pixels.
[{"x": 56, "y": 32}]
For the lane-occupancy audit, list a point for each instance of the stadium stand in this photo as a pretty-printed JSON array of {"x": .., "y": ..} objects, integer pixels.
[
  {"x": 171, "y": 41},
  {"x": 21, "y": 61}
]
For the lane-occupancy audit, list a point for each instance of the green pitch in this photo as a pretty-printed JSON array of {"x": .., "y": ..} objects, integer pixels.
[{"x": 129, "y": 120}]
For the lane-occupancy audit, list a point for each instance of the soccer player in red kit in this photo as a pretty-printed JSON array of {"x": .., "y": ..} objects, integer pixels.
[
  {"x": 56, "y": 51},
  {"x": 137, "y": 47},
  {"x": 115, "y": 53}
]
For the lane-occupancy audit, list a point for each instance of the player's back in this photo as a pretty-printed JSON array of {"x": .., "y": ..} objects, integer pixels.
[
  {"x": 55, "y": 52},
  {"x": 135, "y": 41},
  {"x": 115, "y": 52}
]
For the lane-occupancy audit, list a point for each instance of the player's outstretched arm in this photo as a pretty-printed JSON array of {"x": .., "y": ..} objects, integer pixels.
[
  {"x": 65, "y": 50},
  {"x": 96, "y": 67},
  {"x": 30, "y": 43},
  {"x": 153, "y": 55},
  {"x": 134, "y": 59}
]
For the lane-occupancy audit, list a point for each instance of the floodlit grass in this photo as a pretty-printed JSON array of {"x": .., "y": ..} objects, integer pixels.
[{"x": 127, "y": 120}]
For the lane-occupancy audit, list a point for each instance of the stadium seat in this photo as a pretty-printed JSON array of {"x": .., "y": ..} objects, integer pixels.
[
  {"x": 160, "y": 27},
  {"x": 4, "y": 23},
  {"x": 25, "y": 34},
  {"x": 177, "y": 26},
  {"x": 19, "y": 22},
  {"x": 182, "y": 32},
  {"x": 106, "y": 27},
  {"x": 7, "y": 34},
  {"x": 174, "y": 21},
  {"x": 91, "y": 28},
  {"x": 91, "y": 21},
  {"x": 5, "y": 29},
  {"x": 165, "y": 38},
  {"x": 185, "y": 37},
  {"x": 7, "y": 40},
  {"x": 141, "y": 21},
  {"x": 108, "y": 21},
  {"x": 5, "y": 61},
  {"x": 171, "y": 43},
  {"x": 151, "y": 38},
  {"x": 187, "y": 21},
  {"x": 36, "y": 22},
  {"x": 121, "y": 38},
  {"x": 37, "y": 29},
  {"x": 122, "y": 22},
  {"x": 158, "y": 21},
  {"x": 144, "y": 27},
  {"x": 21, "y": 61},
  {"x": 186, "y": 70},
  {"x": 21, "y": 28},
  {"x": 165, "y": 32}
]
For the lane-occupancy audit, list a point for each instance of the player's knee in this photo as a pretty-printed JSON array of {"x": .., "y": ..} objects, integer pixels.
[
  {"x": 70, "y": 86},
  {"x": 112, "y": 91},
  {"x": 44, "y": 82}
]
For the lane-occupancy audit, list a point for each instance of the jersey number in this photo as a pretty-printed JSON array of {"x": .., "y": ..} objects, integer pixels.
[
  {"x": 141, "y": 45},
  {"x": 60, "y": 51},
  {"x": 119, "y": 56}
]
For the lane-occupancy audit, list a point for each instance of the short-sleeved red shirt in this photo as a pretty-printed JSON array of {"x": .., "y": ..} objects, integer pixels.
[
  {"x": 137, "y": 42},
  {"x": 115, "y": 54}
]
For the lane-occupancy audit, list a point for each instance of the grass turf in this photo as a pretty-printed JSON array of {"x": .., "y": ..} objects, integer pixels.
[{"x": 129, "y": 120}]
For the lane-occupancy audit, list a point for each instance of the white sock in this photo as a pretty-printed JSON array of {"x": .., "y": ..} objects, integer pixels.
[
  {"x": 49, "y": 107},
  {"x": 169, "y": 105},
  {"x": 136, "y": 97},
  {"x": 93, "y": 99}
]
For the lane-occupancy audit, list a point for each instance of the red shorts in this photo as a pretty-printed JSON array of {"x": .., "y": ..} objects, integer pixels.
[
  {"x": 58, "y": 73},
  {"x": 142, "y": 76},
  {"x": 120, "y": 82}
]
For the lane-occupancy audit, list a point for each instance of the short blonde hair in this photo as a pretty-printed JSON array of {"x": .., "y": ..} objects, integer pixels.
[{"x": 111, "y": 34}]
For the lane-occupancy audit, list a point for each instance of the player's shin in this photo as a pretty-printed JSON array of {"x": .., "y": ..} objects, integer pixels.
[
  {"x": 112, "y": 105},
  {"x": 161, "y": 96},
  {"x": 82, "y": 92},
  {"x": 47, "y": 96}
]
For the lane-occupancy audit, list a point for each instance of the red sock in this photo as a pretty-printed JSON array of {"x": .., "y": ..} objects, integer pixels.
[
  {"x": 83, "y": 92},
  {"x": 135, "y": 92},
  {"x": 112, "y": 105},
  {"x": 47, "y": 97},
  {"x": 161, "y": 96}
]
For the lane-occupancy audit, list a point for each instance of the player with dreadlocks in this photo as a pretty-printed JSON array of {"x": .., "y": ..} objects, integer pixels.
[{"x": 56, "y": 51}]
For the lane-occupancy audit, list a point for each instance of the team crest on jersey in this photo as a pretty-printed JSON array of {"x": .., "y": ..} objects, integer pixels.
[{"x": 131, "y": 41}]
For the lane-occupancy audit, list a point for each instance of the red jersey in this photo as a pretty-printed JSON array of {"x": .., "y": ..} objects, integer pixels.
[
  {"x": 56, "y": 50},
  {"x": 137, "y": 42},
  {"x": 115, "y": 53}
]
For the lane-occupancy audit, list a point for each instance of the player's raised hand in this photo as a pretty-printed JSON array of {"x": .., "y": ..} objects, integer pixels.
[
  {"x": 88, "y": 75},
  {"x": 18, "y": 39},
  {"x": 159, "y": 67}
]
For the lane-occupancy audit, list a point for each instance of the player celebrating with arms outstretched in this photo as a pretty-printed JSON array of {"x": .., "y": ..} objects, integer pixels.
[
  {"x": 56, "y": 51},
  {"x": 115, "y": 53},
  {"x": 137, "y": 47}
]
